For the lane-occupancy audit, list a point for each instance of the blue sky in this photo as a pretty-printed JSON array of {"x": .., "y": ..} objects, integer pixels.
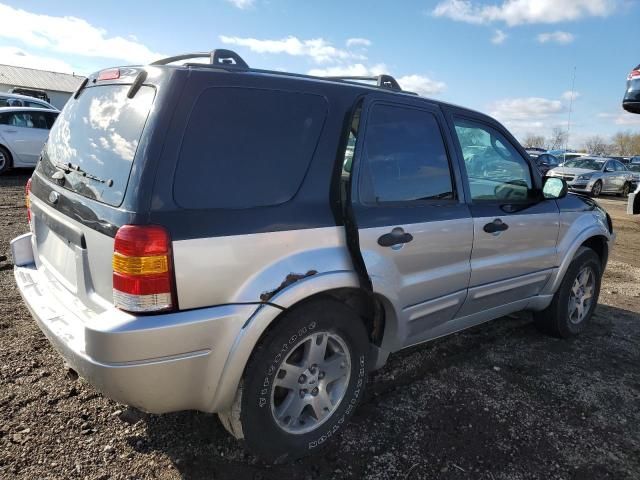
[{"x": 513, "y": 59}]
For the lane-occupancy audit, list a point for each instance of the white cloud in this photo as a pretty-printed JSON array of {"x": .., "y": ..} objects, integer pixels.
[
  {"x": 498, "y": 37},
  {"x": 355, "y": 70},
  {"x": 358, "y": 42},
  {"x": 625, "y": 119},
  {"x": 420, "y": 84},
  {"x": 242, "y": 4},
  {"x": 70, "y": 35},
  {"x": 20, "y": 58},
  {"x": 518, "y": 12},
  {"x": 560, "y": 37},
  {"x": 529, "y": 114},
  {"x": 318, "y": 49},
  {"x": 526, "y": 108},
  {"x": 568, "y": 96}
]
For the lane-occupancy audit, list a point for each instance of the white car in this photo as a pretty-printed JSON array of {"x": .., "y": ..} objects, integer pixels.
[
  {"x": 23, "y": 133},
  {"x": 17, "y": 100}
]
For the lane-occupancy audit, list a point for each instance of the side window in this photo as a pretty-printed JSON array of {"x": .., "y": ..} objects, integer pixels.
[
  {"x": 4, "y": 102},
  {"x": 51, "y": 117},
  {"x": 620, "y": 167},
  {"x": 33, "y": 104},
  {"x": 20, "y": 119},
  {"x": 246, "y": 148},
  {"x": 404, "y": 158},
  {"x": 38, "y": 120},
  {"x": 495, "y": 169},
  {"x": 609, "y": 167}
]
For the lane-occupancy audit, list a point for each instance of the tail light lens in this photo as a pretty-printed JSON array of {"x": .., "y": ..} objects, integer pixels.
[
  {"x": 634, "y": 74},
  {"x": 142, "y": 269},
  {"x": 27, "y": 202}
]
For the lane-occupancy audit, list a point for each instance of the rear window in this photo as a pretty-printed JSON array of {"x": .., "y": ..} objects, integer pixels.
[
  {"x": 95, "y": 139},
  {"x": 247, "y": 148}
]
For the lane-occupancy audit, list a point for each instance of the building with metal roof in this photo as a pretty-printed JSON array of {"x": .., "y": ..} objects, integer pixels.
[{"x": 57, "y": 86}]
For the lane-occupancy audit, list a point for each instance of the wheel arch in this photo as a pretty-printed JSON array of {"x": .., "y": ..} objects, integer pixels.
[{"x": 343, "y": 286}]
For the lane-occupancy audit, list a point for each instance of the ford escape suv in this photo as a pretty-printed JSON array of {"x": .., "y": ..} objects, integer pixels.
[{"x": 209, "y": 236}]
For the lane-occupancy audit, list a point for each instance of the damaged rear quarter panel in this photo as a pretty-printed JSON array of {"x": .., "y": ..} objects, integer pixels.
[{"x": 256, "y": 267}]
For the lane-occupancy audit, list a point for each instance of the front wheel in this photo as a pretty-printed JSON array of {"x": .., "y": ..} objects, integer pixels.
[
  {"x": 302, "y": 383},
  {"x": 576, "y": 299},
  {"x": 626, "y": 189},
  {"x": 596, "y": 190}
]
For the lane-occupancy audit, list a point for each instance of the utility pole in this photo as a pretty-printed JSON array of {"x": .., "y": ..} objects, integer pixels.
[{"x": 573, "y": 86}]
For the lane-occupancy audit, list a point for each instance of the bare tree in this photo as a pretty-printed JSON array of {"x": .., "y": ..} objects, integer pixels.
[
  {"x": 532, "y": 140},
  {"x": 597, "y": 145},
  {"x": 623, "y": 143},
  {"x": 557, "y": 139}
]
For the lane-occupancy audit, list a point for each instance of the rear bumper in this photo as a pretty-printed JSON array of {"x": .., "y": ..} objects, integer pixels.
[{"x": 158, "y": 363}]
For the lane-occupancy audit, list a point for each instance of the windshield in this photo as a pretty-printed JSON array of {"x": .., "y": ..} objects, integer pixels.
[
  {"x": 587, "y": 163},
  {"x": 98, "y": 135}
]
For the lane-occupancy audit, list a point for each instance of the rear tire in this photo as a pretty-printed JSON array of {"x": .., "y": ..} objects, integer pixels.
[
  {"x": 576, "y": 299},
  {"x": 5, "y": 160},
  {"x": 302, "y": 382}
]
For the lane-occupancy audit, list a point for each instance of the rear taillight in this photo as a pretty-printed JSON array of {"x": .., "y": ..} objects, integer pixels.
[
  {"x": 634, "y": 74},
  {"x": 142, "y": 270},
  {"x": 110, "y": 74},
  {"x": 27, "y": 202}
]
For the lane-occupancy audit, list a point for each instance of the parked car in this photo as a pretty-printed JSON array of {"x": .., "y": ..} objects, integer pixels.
[
  {"x": 196, "y": 243},
  {"x": 631, "y": 100},
  {"x": 595, "y": 175},
  {"x": 546, "y": 162},
  {"x": 23, "y": 132},
  {"x": 15, "y": 100},
  {"x": 31, "y": 92},
  {"x": 566, "y": 155}
]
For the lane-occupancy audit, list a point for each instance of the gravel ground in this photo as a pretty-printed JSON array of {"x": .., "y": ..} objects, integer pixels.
[{"x": 500, "y": 401}]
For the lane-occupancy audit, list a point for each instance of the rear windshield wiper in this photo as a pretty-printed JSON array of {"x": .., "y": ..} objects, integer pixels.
[{"x": 69, "y": 167}]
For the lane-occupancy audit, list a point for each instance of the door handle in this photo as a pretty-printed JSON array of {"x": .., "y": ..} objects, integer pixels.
[
  {"x": 496, "y": 226},
  {"x": 397, "y": 236}
]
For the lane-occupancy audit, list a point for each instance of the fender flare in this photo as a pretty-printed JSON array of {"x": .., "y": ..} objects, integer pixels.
[
  {"x": 586, "y": 234},
  {"x": 262, "y": 318}
]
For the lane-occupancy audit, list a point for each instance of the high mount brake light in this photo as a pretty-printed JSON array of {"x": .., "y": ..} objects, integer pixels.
[
  {"x": 142, "y": 269},
  {"x": 111, "y": 74}
]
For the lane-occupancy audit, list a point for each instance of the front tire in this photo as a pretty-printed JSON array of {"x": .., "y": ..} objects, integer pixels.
[
  {"x": 625, "y": 190},
  {"x": 596, "y": 190},
  {"x": 302, "y": 383},
  {"x": 576, "y": 299}
]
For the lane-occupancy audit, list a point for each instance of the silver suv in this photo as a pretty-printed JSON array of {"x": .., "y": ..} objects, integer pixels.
[{"x": 209, "y": 236}]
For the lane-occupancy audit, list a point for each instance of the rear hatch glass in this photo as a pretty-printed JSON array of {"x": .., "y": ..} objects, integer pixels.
[{"x": 94, "y": 141}]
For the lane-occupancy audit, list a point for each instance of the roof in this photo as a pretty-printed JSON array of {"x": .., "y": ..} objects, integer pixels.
[
  {"x": 39, "y": 79},
  {"x": 27, "y": 109}
]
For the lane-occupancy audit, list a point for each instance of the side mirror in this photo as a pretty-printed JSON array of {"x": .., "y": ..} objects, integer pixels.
[
  {"x": 554, "y": 188},
  {"x": 609, "y": 170}
]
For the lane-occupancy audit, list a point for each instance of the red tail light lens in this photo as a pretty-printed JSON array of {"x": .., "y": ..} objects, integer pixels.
[
  {"x": 27, "y": 202},
  {"x": 634, "y": 74},
  {"x": 142, "y": 270}
]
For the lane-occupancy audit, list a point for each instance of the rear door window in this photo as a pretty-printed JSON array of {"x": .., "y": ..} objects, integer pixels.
[
  {"x": 246, "y": 148},
  {"x": 405, "y": 159},
  {"x": 98, "y": 133}
]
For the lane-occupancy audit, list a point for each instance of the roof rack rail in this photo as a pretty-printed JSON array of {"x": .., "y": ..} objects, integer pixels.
[
  {"x": 383, "y": 81},
  {"x": 219, "y": 57}
]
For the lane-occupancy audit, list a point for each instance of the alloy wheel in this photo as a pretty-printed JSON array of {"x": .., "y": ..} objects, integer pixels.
[
  {"x": 581, "y": 295},
  {"x": 311, "y": 382}
]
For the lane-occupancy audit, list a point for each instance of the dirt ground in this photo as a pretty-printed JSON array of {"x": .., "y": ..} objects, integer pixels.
[{"x": 500, "y": 401}]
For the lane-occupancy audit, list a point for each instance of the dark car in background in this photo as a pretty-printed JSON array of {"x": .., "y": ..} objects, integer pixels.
[{"x": 631, "y": 101}]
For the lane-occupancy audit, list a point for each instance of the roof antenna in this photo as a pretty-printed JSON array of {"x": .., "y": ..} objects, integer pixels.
[{"x": 573, "y": 86}]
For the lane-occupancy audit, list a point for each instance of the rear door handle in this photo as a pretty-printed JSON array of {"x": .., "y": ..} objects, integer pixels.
[
  {"x": 397, "y": 236},
  {"x": 496, "y": 226}
]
